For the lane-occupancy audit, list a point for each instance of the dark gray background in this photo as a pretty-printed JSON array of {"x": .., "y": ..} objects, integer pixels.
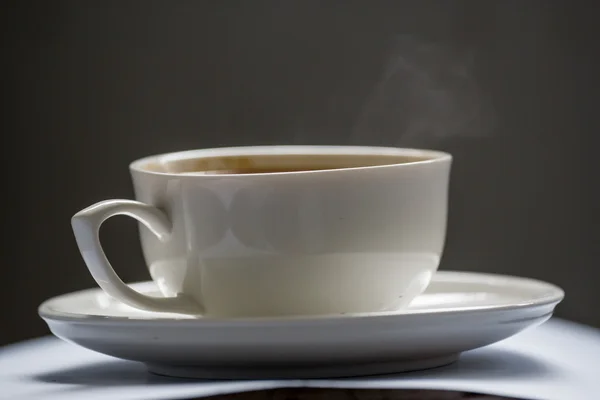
[{"x": 511, "y": 92}]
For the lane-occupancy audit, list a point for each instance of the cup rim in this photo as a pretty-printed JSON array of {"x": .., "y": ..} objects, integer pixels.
[{"x": 433, "y": 156}]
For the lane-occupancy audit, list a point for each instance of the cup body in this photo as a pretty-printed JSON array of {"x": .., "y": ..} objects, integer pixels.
[{"x": 353, "y": 240}]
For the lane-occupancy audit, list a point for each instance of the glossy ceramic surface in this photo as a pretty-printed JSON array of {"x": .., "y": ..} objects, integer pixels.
[
  {"x": 458, "y": 312},
  {"x": 294, "y": 243}
]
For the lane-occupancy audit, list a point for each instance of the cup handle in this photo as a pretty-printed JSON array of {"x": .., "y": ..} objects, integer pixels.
[{"x": 86, "y": 227}]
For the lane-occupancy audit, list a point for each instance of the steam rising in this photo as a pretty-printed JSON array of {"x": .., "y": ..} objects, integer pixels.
[{"x": 427, "y": 93}]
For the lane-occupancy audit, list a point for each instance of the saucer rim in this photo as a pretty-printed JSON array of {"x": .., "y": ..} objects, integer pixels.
[{"x": 553, "y": 295}]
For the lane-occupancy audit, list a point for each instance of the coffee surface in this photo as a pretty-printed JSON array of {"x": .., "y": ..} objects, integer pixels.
[{"x": 261, "y": 164}]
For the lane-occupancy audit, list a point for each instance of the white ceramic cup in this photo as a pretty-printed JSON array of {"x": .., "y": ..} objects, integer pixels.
[{"x": 364, "y": 238}]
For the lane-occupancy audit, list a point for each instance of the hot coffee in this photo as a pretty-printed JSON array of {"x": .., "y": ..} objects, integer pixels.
[{"x": 274, "y": 163}]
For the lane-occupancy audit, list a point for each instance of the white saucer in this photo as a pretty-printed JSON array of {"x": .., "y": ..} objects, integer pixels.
[{"x": 460, "y": 311}]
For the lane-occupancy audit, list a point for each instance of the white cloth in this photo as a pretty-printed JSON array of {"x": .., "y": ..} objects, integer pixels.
[{"x": 558, "y": 360}]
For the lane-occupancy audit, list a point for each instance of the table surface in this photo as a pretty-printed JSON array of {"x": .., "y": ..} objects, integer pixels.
[{"x": 558, "y": 360}]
